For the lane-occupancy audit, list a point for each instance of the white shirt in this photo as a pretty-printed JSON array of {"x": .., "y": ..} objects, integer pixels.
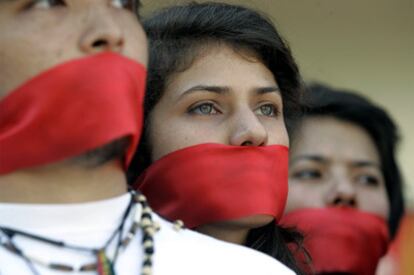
[{"x": 90, "y": 225}]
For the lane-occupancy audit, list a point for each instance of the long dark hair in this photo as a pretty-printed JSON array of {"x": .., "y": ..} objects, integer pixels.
[
  {"x": 322, "y": 100},
  {"x": 177, "y": 36}
]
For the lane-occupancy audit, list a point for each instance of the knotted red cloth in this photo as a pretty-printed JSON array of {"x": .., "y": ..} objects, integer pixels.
[
  {"x": 70, "y": 109},
  {"x": 214, "y": 182},
  {"x": 341, "y": 239}
]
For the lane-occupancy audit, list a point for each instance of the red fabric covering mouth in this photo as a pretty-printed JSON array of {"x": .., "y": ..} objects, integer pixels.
[
  {"x": 72, "y": 108},
  {"x": 210, "y": 183},
  {"x": 341, "y": 240}
]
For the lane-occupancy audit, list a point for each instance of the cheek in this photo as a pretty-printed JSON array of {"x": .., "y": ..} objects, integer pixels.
[
  {"x": 30, "y": 50},
  {"x": 277, "y": 132},
  {"x": 304, "y": 195},
  {"x": 174, "y": 134},
  {"x": 374, "y": 201},
  {"x": 22, "y": 62},
  {"x": 136, "y": 46}
]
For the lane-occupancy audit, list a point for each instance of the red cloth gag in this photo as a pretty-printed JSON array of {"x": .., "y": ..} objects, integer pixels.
[
  {"x": 341, "y": 239},
  {"x": 72, "y": 108},
  {"x": 210, "y": 183}
]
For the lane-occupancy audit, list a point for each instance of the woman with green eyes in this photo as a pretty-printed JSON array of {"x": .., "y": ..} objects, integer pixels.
[
  {"x": 222, "y": 88},
  {"x": 343, "y": 175}
]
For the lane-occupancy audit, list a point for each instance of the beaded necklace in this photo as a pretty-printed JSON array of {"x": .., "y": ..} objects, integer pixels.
[{"x": 103, "y": 265}]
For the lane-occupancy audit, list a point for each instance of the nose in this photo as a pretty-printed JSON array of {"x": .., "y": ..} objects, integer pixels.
[
  {"x": 247, "y": 130},
  {"x": 342, "y": 193},
  {"x": 102, "y": 33}
]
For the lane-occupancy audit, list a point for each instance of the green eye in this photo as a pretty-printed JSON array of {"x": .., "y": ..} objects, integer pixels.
[
  {"x": 267, "y": 110},
  {"x": 45, "y": 4},
  {"x": 204, "y": 109}
]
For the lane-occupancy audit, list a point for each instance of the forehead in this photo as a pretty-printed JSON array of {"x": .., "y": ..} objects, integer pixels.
[
  {"x": 132, "y": 5},
  {"x": 334, "y": 139},
  {"x": 221, "y": 65}
]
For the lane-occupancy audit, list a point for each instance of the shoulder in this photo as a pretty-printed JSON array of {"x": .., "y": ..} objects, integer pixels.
[{"x": 191, "y": 251}]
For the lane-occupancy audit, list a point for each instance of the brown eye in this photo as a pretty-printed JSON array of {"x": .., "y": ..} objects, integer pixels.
[
  {"x": 368, "y": 180},
  {"x": 308, "y": 174}
]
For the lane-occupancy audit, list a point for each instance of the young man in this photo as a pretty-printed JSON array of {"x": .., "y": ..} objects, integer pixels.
[{"x": 71, "y": 87}]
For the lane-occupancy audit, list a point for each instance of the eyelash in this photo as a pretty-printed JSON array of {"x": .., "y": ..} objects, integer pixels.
[
  {"x": 133, "y": 5},
  {"x": 195, "y": 110},
  {"x": 41, "y": 4},
  {"x": 314, "y": 174},
  {"x": 307, "y": 174},
  {"x": 368, "y": 180},
  {"x": 275, "y": 110}
]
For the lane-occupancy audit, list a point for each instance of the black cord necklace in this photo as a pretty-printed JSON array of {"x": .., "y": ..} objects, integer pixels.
[{"x": 103, "y": 265}]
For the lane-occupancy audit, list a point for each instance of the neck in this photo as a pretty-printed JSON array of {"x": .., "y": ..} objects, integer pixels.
[
  {"x": 236, "y": 230},
  {"x": 63, "y": 183},
  {"x": 225, "y": 233}
]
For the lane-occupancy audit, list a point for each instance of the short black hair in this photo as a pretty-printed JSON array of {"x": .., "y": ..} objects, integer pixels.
[
  {"x": 178, "y": 35},
  {"x": 322, "y": 100}
]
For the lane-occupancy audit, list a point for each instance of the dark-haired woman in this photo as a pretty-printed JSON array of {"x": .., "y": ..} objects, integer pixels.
[
  {"x": 345, "y": 188},
  {"x": 222, "y": 89}
]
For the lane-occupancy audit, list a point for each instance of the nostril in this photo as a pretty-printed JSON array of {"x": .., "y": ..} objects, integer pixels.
[
  {"x": 247, "y": 143},
  {"x": 344, "y": 202},
  {"x": 101, "y": 43},
  {"x": 337, "y": 201}
]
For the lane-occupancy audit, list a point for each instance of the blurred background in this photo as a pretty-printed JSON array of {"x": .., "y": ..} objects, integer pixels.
[{"x": 362, "y": 45}]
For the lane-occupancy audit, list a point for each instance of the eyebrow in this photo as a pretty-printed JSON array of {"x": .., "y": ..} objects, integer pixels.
[
  {"x": 364, "y": 163},
  {"x": 208, "y": 88},
  {"x": 224, "y": 90},
  {"x": 323, "y": 160},
  {"x": 309, "y": 157},
  {"x": 205, "y": 88},
  {"x": 266, "y": 90}
]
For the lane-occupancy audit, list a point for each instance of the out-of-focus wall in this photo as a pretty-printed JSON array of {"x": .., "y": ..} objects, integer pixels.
[{"x": 363, "y": 45}]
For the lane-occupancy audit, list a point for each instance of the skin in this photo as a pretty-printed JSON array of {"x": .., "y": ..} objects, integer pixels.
[
  {"x": 37, "y": 35},
  {"x": 335, "y": 163},
  {"x": 227, "y": 98}
]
